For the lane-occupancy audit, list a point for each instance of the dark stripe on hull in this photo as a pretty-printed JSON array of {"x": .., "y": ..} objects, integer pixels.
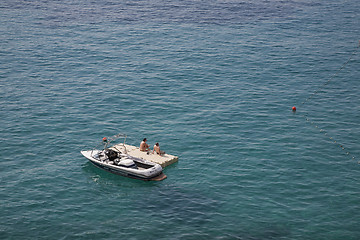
[{"x": 122, "y": 173}]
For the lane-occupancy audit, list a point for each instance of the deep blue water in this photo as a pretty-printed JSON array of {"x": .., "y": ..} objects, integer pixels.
[{"x": 214, "y": 83}]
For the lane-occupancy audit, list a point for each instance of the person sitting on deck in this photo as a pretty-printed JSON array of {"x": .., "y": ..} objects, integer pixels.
[
  {"x": 144, "y": 147},
  {"x": 157, "y": 149}
]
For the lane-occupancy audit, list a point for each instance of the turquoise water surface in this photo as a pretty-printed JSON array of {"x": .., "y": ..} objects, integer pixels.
[{"x": 214, "y": 83}]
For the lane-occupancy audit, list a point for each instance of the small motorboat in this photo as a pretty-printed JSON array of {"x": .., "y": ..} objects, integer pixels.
[{"x": 119, "y": 162}]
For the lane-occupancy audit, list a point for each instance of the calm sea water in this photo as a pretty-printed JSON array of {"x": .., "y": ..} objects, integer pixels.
[{"x": 213, "y": 82}]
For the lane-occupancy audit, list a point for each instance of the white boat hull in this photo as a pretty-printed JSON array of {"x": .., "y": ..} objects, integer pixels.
[{"x": 142, "y": 169}]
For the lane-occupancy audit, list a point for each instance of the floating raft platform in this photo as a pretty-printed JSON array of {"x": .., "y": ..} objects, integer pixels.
[{"x": 164, "y": 160}]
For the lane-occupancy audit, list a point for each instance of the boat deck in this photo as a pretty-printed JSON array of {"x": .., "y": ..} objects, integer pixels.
[{"x": 164, "y": 160}]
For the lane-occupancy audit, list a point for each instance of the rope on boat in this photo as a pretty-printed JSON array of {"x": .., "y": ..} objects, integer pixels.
[{"x": 315, "y": 92}]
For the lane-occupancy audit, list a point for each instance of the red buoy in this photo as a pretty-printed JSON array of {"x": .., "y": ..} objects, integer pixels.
[
  {"x": 104, "y": 139},
  {"x": 294, "y": 109}
]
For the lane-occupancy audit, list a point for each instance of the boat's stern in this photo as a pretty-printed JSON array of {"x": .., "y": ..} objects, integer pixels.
[
  {"x": 159, "y": 177},
  {"x": 153, "y": 172}
]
